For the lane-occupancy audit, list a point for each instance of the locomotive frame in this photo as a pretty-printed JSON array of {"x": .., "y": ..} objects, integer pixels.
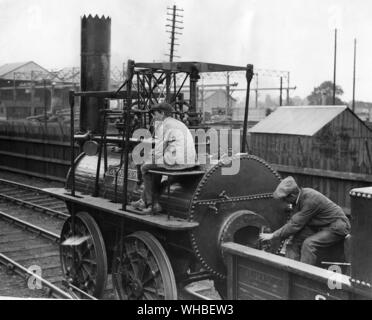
[
  {"x": 208, "y": 225},
  {"x": 154, "y": 256}
]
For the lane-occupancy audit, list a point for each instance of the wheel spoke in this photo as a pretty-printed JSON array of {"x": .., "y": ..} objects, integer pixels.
[
  {"x": 134, "y": 267},
  {"x": 141, "y": 250},
  {"x": 143, "y": 269},
  {"x": 154, "y": 291},
  {"x": 148, "y": 296},
  {"x": 150, "y": 277},
  {"x": 89, "y": 272},
  {"x": 128, "y": 275},
  {"x": 89, "y": 261}
]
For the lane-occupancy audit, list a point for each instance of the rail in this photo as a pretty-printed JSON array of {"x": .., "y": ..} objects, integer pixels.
[
  {"x": 30, "y": 227},
  {"x": 24, "y": 272},
  {"x": 30, "y": 200}
]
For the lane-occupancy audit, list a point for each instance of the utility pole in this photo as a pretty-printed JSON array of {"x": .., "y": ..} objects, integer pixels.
[
  {"x": 14, "y": 88},
  {"x": 288, "y": 88},
  {"x": 171, "y": 28},
  {"x": 202, "y": 97},
  {"x": 281, "y": 91},
  {"x": 227, "y": 93},
  {"x": 32, "y": 94},
  {"x": 256, "y": 90},
  {"x": 353, "y": 105},
  {"x": 45, "y": 104},
  {"x": 124, "y": 76},
  {"x": 334, "y": 70}
]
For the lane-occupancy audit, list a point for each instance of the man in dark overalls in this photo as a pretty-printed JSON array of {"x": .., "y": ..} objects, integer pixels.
[{"x": 317, "y": 222}]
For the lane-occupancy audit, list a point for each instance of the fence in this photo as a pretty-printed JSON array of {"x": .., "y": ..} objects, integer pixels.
[
  {"x": 335, "y": 184},
  {"x": 35, "y": 149},
  {"x": 44, "y": 151}
]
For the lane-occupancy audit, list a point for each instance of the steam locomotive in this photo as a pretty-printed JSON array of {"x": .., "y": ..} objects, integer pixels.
[{"x": 153, "y": 256}]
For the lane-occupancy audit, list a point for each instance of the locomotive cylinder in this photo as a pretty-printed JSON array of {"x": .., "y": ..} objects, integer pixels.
[{"x": 95, "y": 69}]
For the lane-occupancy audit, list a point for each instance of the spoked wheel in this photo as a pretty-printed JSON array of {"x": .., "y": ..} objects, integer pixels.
[
  {"x": 142, "y": 270},
  {"x": 84, "y": 263}
]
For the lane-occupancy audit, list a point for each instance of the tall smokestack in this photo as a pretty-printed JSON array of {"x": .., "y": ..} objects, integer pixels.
[{"x": 95, "y": 69}]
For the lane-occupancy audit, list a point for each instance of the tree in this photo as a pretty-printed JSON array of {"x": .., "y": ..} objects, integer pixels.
[{"x": 324, "y": 94}]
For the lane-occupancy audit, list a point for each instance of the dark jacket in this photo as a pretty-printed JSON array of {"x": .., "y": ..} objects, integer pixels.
[{"x": 314, "y": 210}]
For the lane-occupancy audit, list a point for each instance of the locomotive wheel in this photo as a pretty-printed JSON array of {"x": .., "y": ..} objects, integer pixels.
[
  {"x": 85, "y": 265},
  {"x": 143, "y": 270}
]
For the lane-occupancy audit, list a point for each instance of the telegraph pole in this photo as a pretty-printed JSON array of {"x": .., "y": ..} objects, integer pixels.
[
  {"x": 256, "y": 74},
  {"x": 334, "y": 69},
  {"x": 288, "y": 88},
  {"x": 173, "y": 14},
  {"x": 227, "y": 93},
  {"x": 45, "y": 104},
  {"x": 353, "y": 105},
  {"x": 281, "y": 92}
]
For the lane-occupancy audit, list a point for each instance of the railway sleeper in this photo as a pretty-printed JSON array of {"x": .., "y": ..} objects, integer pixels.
[
  {"x": 43, "y": 201},
  {"x": 15, "y": 239},
  {"x": 56, "y": 280},
  {"x": 29, "y": 199},
  {"x": 16, "y": 193},
  {"x": 51, "y": 271},
  {"x": 59, "y": 207},
  {"x": 10, "y": 233},
  {"x": 28, "y": 242},
  {"x": 48, "y": 255},
  {"x": 35, "y": 249},
  {"x": 7, "y": 190}
]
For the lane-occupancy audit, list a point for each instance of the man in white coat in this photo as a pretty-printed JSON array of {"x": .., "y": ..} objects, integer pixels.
[{"x": 174, "y": 150}]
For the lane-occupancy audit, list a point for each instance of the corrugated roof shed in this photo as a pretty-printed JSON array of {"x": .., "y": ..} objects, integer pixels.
[
  {"x": 9, "y": 67},
  {"x": 209, "y": 94},
  {"x": 298, "y": 120},
  {"x": 7, "y": 70}
]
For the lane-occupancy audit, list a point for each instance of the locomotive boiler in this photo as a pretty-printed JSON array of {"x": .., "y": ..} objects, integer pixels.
[{"x": 153, "y": 256}]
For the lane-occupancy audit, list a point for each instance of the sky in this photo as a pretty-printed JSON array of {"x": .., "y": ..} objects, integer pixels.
[{"x": 291, "y": 35}]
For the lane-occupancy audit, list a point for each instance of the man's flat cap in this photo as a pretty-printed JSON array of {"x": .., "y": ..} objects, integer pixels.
[
  {"x": 285, "y": 187},
  {"x": 165, "y": 107}
]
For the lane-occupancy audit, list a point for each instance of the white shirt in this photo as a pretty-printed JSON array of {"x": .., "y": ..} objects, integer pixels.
[{"x": 174, "y": 143}]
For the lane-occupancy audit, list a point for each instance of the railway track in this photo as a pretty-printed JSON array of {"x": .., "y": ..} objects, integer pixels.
[
  {"x": 25, "y": 233},
  {"x": 26, "y": 240},
  {"x": 33, "y": 253},
  {"x": 32, "y": 197}
]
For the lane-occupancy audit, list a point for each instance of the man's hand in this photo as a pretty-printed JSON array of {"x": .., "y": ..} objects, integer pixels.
[{"x": 266, "y": 236}]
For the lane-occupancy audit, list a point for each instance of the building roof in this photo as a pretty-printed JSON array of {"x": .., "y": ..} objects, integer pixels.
[
  {"x": 299, "y": 120},
  {"x": 9, "y": 67},
  {"x": 210, "y": 94},
  {"x": 7, "y": 70}
]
